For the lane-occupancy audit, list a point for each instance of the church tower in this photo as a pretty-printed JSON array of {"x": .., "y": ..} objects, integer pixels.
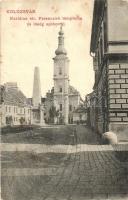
[{"x": 61, "y": 80}]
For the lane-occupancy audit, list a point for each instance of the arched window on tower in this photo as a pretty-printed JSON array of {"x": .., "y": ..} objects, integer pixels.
[
  {"x": 60, "y": 90},
  {"x": 60, "y": 71},
  {"x": 70, "y": 107},
  {"x": 60, "y": 107}
]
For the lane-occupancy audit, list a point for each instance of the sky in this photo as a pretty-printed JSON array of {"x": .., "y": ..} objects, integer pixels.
[{"x": 23, "y": 46}]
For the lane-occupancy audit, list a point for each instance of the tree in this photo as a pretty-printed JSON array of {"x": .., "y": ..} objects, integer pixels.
[
  {"x": 9, "y": 120},
  {"x": 22, "y": 120},
  {"x": 53, "y": 113}
]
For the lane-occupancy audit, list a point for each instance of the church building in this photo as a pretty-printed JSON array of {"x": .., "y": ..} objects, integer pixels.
[
  {"x": 65, "y": 97},
  {"x": 58, "y": 107}
]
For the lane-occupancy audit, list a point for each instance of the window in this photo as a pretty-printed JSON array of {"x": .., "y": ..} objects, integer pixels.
[
  {"x": 6, "y": 109},
  {"x": 60, "y": 70},
  {"x": 105, "y": 36},
  {"x": 60, "y": 107},
  {"x": 60, "y": 89},
  {"x": 70, "y": 107},
  {"x": 102, "y": 33},
  {"x": 101, "y": 48},
  {"x": 24, "y": 110},
  {"x": 9, "y": 109},
  {"x": 14, "y": 109},
  {"x": 95, "y": 62},
  {"x": 98, "y": 56}
]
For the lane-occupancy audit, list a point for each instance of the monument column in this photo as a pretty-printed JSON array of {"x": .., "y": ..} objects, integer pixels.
[
  {"x": 36, "y": 99},
  {"x": 38, "y": 110}
]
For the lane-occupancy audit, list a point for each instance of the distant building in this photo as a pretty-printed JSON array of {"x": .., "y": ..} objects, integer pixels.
[
  {"x": 109, "y": 48},
  {"x": 91, "y": 109},
  {"x": 80, "y": 115},
  {"x": 15, "y": 109}
]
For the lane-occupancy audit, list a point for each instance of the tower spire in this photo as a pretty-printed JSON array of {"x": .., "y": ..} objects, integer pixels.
[
  {"x": 61, "y": 49},
  {"x": 61, "y": 28}
]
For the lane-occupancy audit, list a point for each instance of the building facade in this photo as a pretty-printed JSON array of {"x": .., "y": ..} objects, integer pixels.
[
  {"x": 91, "y": 109},
  {"x": 15, "y": 109},
  {"x": 80, "y": 115},
  {"x": 109, "y": 49},
  {"x": 52, "y": 111}
]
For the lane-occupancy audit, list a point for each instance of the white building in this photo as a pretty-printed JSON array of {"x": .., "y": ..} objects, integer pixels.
[
  {"x": 15, "y": 109},
  {"x": 80, "y": 115}
]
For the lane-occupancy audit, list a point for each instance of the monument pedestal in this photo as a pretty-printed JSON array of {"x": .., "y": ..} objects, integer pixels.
[{"x": 42, "y": 122}]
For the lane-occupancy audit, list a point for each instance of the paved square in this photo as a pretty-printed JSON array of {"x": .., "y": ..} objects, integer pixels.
[{"x": 81, "y": 168}]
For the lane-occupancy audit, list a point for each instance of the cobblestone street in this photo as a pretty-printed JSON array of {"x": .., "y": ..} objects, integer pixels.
[{"x": 91, "y": 171}]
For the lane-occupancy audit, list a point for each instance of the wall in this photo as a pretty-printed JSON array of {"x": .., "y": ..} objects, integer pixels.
[
  {"x": 111, "y": 69},
  {"x": 117, "y": 20},
  {"x": 118, "y": 92},
  {"x": 74, "y": 100}
]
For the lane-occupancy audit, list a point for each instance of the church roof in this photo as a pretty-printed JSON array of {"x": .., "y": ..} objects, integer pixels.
[{"x": 72, "y": 91}]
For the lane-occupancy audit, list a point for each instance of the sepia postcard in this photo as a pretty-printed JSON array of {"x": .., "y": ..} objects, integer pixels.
[{"x": 64, "y": 99}]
